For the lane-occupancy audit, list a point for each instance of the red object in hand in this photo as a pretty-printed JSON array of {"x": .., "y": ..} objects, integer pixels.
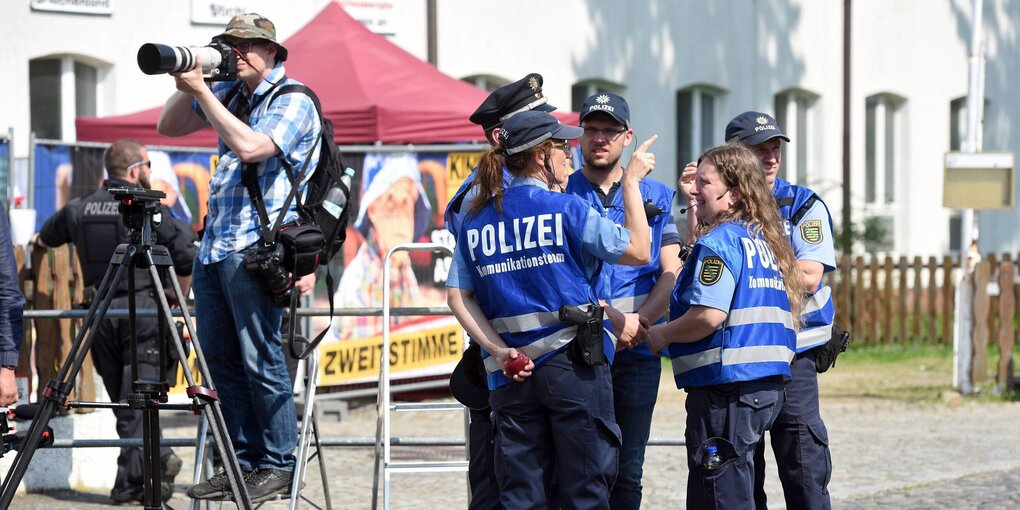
[{"x": 515, "y": 365}]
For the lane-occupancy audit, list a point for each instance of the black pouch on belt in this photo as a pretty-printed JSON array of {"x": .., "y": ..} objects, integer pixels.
[{"x": 586, "y": 348}]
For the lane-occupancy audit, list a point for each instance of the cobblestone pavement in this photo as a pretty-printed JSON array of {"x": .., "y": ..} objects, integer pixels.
[{"x": 886, "y": 454}]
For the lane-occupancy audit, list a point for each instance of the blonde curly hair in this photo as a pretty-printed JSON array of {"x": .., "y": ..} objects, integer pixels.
[{"x": 739, "y": 168}]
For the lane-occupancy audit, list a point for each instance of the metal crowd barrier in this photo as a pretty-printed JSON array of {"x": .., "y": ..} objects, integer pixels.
[{"x": 331, "y": 442}]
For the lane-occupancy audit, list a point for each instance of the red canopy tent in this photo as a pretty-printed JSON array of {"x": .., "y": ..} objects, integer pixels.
[{"x": 370, "y": 88}]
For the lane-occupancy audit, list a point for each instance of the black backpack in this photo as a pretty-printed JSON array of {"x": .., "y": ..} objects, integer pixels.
[
  {"x": 322, "y": 227},
  {"x": 327, "y": 177}
]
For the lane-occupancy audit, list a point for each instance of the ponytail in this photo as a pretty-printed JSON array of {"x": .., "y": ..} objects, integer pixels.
[
  {"x": 489, "y": 181},
  {"x": 489, "y": 177}
]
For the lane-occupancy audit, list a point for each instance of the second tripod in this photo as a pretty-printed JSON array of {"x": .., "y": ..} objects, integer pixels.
[{"x": 139, "y": 209}]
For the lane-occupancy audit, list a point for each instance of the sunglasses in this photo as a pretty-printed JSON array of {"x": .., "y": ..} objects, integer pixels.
[
  {"x": 562, "y": 145},
  {"x": 140, "y": 163}
]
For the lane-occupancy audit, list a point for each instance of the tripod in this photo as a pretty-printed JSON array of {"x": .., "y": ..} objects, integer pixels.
[{"x": 138, "y": 208}]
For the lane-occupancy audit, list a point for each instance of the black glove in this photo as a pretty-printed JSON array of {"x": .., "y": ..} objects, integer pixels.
[{"x": 825, "y": 355}]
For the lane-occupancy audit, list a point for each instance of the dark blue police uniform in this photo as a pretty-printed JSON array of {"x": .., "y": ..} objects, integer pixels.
[
  {"x": 636, "y": 372},
  {"x": 799, "y": 438},
  {"x": 524, "y": 264},
  {"x": 735, "y": 377},
  {"x": 522, "y": 95}
]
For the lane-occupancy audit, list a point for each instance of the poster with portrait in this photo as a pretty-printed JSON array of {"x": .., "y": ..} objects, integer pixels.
[
  {"x": 397, "y": 197},
  {"x": 400, "y": 198}
]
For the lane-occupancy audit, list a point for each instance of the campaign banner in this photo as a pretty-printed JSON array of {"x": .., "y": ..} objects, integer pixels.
[
  {"x": 64, "y": 172},
  {"x": 397, "y": 198}
]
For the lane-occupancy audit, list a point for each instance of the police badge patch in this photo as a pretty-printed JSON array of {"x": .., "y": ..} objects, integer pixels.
[
  {"x": 811, "y": 231},
  {"x": 711, "y": 270}
]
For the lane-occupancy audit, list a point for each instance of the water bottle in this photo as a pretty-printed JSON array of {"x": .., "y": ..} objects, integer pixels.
[
  {"x": 335, "y": 200},
  {"x": 712, "y": 458}
]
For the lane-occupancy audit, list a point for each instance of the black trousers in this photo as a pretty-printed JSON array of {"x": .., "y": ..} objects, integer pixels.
[{"x": 111, "y": 353}]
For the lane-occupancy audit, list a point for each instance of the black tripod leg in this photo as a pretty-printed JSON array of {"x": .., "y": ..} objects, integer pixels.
[
  {"x": 58, "y": 389},
  {"x": 210, "y": 403}
]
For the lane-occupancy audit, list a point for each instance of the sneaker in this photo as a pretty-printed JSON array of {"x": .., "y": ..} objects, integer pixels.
[
  {"x": 217, "y": 487},
  {"x": 171, "y": 466},
  {"x": 266, "y": 484}
]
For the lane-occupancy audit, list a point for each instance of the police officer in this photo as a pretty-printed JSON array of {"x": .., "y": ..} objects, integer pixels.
[
  {"x": 731, "y": 334},
  {"x": 526, "y": 260},
  {"x": 799, "y": 438},
  {"x": 468, "y": 380},
  {"x": 640, "y": 294},
  {"x": 94, "y": 224}
]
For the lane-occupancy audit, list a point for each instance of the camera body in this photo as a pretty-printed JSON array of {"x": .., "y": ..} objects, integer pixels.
[
  {"x": 218, "y": 59},
  {"x": 267, "y": 260}
]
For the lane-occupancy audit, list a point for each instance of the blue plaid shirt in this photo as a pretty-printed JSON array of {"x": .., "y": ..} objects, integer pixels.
[{"x": 293, "y": 124}]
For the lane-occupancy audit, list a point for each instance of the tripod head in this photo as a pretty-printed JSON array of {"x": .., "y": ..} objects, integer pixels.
[{"x": 141, "y": 211}]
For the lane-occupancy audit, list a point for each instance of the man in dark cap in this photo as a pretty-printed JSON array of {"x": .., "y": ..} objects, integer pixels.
[
  {"x": 636, "y": 296},
  {"x": 260, "y": 137},
  {"x": 799, "y": 438},
  {"x": 468, "y": 380}
]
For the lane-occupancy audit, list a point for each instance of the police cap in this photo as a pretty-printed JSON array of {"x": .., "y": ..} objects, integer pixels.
[
  {"x": 752, "y": 128},
  {"x": 522, "y": 95},
  {"x": 528, "y": 129},
  {"x": 608, "y": 103}
]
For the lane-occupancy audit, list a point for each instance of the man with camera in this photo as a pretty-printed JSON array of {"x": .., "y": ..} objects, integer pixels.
[
  {"x": 263, "y": 138},
  {"x": 95, "y": 225}
]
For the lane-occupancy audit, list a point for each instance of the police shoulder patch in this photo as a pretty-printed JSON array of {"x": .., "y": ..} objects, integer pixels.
[
  {"x": 811, "y": 231},
  {"x": 711, "y": 270}
]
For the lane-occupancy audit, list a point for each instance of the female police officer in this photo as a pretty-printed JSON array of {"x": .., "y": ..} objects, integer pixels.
[
  {"x": 731, "y": 334},
  {"x": 523, "y": 254}
]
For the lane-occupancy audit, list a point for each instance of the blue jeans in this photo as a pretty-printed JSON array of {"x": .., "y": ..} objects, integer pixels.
[
  {"x": 239, "y": 331},
  {"x": 635, "y": 388}
]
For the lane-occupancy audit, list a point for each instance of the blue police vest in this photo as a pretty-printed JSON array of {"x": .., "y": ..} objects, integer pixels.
[
  {"x": 627, "y": 287},
  {"x": 525, "y": 264},
  {"x": 456, "y": 208},
  {"x": 819, "y": 313},
  {"x": 757, "y": 340}
]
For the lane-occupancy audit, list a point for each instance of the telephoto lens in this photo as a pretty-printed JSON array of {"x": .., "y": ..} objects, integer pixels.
[{"x": 219, "y": 61}]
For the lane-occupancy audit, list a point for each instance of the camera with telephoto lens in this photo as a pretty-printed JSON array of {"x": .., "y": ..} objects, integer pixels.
[
  {"x": 267, "y": 260},
  {"x": 219, "y": 60}
]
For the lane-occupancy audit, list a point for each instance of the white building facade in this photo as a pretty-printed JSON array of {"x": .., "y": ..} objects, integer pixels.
[{"x": 685, "y": 66}]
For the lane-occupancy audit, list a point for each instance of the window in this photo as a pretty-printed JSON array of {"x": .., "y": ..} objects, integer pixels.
[
  {"x": 883, "y": 132},
  {"x": 486, "y": 81},
  {"x": 44, "y": 97},
  {"x": 583, "y": 89},
  {"x": 795, "y": 114},
  {"x": 697, "y": 109},
  {"x": 60, "y": 89},
  {"x": 958, "y": 123}
]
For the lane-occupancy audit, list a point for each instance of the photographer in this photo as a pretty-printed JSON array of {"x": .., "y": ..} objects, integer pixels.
[
  {"x": 237, "y": 309},
  {"x": 95, "y": 226}
]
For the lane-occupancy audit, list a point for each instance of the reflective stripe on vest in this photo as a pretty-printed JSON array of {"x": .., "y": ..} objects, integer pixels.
[
  {"x": 816, "y": 320},
  {"x": 538, "y": 348},
  {"x": 733, "y": 356}
]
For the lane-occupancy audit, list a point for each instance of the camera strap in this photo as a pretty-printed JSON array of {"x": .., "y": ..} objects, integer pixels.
[{"x": 269, "y": 235}]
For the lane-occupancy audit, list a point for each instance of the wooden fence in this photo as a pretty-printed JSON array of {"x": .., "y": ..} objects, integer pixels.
[
  {"x": 52, "y": 282},
  {"x": 912, "y": 299}
]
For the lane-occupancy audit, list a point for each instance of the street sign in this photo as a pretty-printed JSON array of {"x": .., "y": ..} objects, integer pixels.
[{"x": 979, "y": 180}]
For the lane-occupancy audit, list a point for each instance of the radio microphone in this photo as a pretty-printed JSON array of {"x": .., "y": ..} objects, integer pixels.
[{"x": 685, "y": 209}]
